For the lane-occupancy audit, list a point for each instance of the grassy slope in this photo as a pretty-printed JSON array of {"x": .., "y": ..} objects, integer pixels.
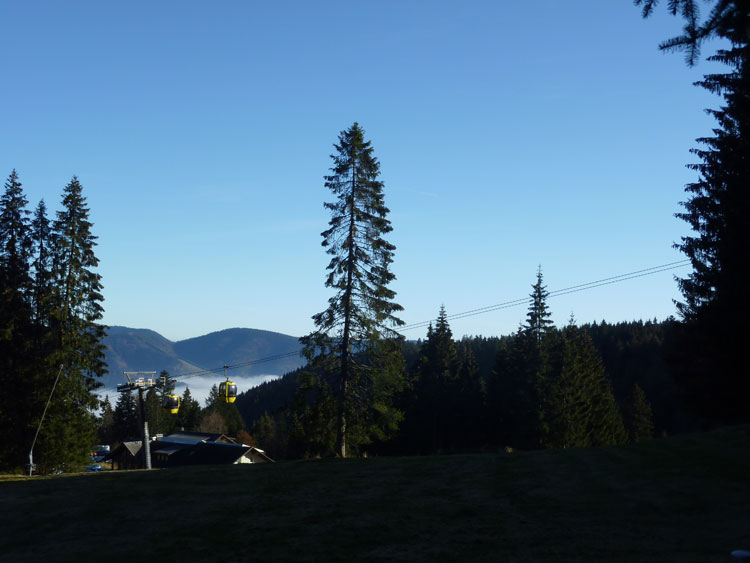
[{"x": 682, "y": 499}]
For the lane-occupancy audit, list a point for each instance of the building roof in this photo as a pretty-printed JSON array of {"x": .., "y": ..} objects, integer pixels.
[
  {"x": 130, "y": 447},
  {"x": 190, "y": 448},
  {"x": 133, "y": 447},
  {"x": 195, "y": 437},
  {"x": 181, "y": 452},
  {"x": 257, "y": 452}
]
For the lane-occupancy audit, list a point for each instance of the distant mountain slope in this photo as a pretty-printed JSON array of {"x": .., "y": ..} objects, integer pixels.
[
  {"x": 131, "y": 349},
  {"x": 135, "y": 349},
  {"x": 239, "y": 345}
]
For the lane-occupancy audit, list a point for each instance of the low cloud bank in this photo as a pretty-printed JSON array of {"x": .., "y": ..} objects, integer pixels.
[{"x": 201, "y": 386}]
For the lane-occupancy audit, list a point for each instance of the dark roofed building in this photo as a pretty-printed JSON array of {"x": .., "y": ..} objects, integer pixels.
[
  {"x": 195, "y": 437},
  {"x": 125, "y": 456},
  {"x": 187, "y": 448},
  {"x": 172, "y": 453}
]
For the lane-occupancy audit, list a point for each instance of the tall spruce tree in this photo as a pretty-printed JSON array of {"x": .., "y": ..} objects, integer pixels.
[
  {"x": 435, "y": 387},
  {"x": 716, "y": 301},
  {"x": 538, "y": 322},
  {"x": 70, "y": 427},
  {"x": 78, "y": 303},
  {"x": 16, "y": 370},
  {"x": 42, "y": 282},
  {"x": 15, "y": 255},
  {"x": 527, "y": 370},
  {"x": 42, "y": 299},
  {"x": 514, "y": 401},
  {"x": 355, "y": 335}
]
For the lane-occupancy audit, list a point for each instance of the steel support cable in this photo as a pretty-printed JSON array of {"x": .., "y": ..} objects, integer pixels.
[
  {"x": 564, "y": 291},
  {"x": 577, "y": 288},
  {"x": 46, "y": 406}
]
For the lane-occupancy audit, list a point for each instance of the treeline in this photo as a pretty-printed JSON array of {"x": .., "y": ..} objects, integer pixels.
[
  {"x": 50, "y": 302},
  {"x": 542, "y": 387}
]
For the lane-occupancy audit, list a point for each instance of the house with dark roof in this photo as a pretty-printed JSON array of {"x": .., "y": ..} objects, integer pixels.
[
  {"x": 187, "y": 448},
  {"x": 125, "y": 456}
]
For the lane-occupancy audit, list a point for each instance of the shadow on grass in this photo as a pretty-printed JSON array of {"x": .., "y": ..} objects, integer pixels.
[{"x": 681, "y": 499}]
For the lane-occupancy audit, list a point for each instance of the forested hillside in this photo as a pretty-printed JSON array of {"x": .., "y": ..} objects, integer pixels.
[{"x": 462, "y": 392}]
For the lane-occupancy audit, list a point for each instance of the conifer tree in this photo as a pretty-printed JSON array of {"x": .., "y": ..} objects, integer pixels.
[
  {"x": 716, "y": 301},
  {"x": 640, "y": 415},
  {"x": 78, "y": 303},
  {"x": 188, "y": 418},
  {"x": 42, "y": 302},
  {"x": 314, "y": 422},
  {"x": 538, "y": 322},
  {"x": 106, "y": 430},
  {"x": 159, "y": 420},
  {"x": 521, "y": 376},
  {"x": 266, "y": 435},
  {"x": 585, "y": 411},
  {"x": 436, "y": 386},
  {"x": 155, "y": 415},
  {"x": 42, "y": 293},
  {"x": 514, "y": 404},
  {"x": 213, "y": 396},
  {"x": 467, "y": 428},
  {"x": 125, "y": 419},
  {"x": 75, "y": 308},
  {"x": 15, "y": 320},
  {"x": 15, "y": 253},
  {"x": 551, "y": 359},
  {"x": 232, "y": 421},
  {"x": 355, "y": 335},
  {"x": 165, "y": 384}
]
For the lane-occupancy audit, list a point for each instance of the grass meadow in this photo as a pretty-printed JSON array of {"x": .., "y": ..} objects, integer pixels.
[{"x": 682, "y": 499}]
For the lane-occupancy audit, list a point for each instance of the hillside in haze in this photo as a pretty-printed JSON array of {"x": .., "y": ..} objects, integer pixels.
[{"x": 131, "y": 349}]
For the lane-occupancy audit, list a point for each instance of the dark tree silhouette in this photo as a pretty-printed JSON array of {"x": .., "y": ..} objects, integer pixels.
[
  {"x": 355, "y": 335},
  {"x": 716, "y": 301}
]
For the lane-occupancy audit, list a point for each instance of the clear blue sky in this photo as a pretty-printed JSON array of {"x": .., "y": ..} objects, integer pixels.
[{"x": 510, "y": 135}]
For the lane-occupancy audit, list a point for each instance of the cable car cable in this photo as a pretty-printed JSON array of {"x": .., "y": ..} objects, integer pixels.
[{"x": 470, "y": 313}]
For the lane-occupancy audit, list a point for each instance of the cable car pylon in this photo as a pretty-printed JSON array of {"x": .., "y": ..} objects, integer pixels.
[{"x": 140, "y": 383}]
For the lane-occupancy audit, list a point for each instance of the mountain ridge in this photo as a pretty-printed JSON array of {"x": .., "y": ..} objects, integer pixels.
[{"x": 142, "y": 349}]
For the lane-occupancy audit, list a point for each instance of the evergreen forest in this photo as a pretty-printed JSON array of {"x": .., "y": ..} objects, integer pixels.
[
  {"x": 50, "y": 339},
  {"x": 576, "y": 386}
]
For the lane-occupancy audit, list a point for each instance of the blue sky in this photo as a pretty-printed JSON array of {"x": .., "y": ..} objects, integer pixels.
[{"x": 510, "y": 135}]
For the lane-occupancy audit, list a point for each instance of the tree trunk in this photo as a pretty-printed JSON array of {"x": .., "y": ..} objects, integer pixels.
[{"x": 343, "y": 399}]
